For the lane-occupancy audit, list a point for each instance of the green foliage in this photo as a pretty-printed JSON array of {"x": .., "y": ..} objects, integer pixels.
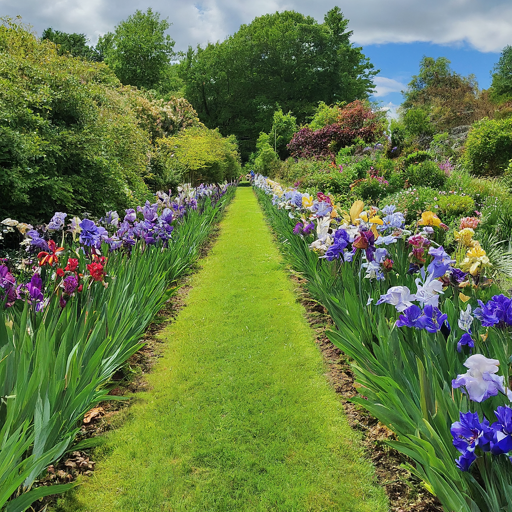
[
  {"x": 425, "y": 174},
  {"x": 324, "y": 116},
  {"x": 489, "y": 147},
  {"x": 412, "y": 202},
  {"x": 73, "y": 139},
  {"x": 370, "y": 189},
  {"x": 266, "y": 158},
  {"x": 198, "y": 155},
  {"x": 74, "y": 44},
  {"x": 451, "y": 206},
  {"x": 139, "y": 51},
  {"x": 502, "y": 76},
  {"x": 67, "y": 133},
  {"x": 417, "y": 122},
  {"x": 283, "y": 59},
  {"x": 416, "y": 158},
  {"x": 283, "y": 128}
]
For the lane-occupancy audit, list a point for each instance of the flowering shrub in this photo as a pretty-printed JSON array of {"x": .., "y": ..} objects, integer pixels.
[{"x": 355, "y": 121}]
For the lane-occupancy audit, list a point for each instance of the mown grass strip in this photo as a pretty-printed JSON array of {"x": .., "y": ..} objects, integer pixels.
[{"x": 240, "y": 416}]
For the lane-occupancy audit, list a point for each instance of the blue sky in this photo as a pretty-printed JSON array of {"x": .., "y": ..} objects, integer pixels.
[
  {"x": 395, "y": 34},
  {"x": 399, "y": 61}
]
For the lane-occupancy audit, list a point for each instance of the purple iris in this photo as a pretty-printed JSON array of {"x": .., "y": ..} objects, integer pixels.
[
  {"x": 57, "y": 221},
  {"x": 167, "y": 215},
  {"x": 297, "y": 230},
  {"x": 341, "y": 240},
  {"x": 70, "y": 284},
  {"x": 411, "y": 317},
  {"x": 465, "y": 340},
  {"x": 502, "y": 439},
  {"x": 440, "y": 264},
  {"x": 90, "y": 234},
  {"x": 149, "y": 211},
  {"x": 308, "y": 228},
  {"x": 35, "y": 288},
  {"x": 468, "y": 434},
  {"x": 37, "y": 241},
  {"x": 130, "y": 215},
  {"x": 8, "y": 290},
  {"x": 433, "y": 319},
  {"x": 497, "y": 311},
  {"x": 457, "y": 276}
]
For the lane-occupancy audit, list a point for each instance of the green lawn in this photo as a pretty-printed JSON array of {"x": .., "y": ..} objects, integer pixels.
[{"x": 240, "y": 416}]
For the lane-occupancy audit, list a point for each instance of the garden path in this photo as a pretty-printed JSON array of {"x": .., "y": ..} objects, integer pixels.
[{"x": 240, "y": 416}]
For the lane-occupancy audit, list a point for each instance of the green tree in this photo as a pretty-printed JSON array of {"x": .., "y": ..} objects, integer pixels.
[
  {"x": 139, "y": 51},
  {"x": 285, "y": 59},
  {"x": 75, "y": 44},
  {"x": 283, "y": 128},
  {"x": 502, "y": 76},
  {"x": 444, "y": 98}
]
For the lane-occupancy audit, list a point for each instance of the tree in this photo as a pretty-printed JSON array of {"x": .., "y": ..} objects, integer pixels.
[
  {"x": 445, "y": 98},
  {"x": 75, "y": 44},
  {"x": 285, "y": 60},
  {"x": 502, "y": 76},
  {"x": 139, "y": 51}
]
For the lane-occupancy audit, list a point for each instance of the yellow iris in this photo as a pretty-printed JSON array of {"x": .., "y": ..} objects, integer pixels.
[
  {"x": 465, "y": 237},
  {"x": 429, "y": 219},
  {"x": 476, "y": 260},
  {"x": 307, "y": 202}
]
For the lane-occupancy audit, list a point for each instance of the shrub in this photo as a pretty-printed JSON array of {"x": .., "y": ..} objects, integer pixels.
[
  {"x": 411, "y": 202},
  {"x": 371, "y": 189},
  {"x": 451, "y": 206},
  {"x": 425, "y": 174},
  {"x": 355, "y": 121},
  {"x": 489, "y": 147},
  {"x": 417, "y": 157}
]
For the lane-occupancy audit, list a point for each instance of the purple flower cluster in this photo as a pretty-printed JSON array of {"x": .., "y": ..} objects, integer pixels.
[
  {"x": 469, "y": 434},
  {"x": 497, "y": 311},
  {"x": 431, "y": 319},
  {"x": 336, "y": 250},
  {"x": 301, "y": 229}
]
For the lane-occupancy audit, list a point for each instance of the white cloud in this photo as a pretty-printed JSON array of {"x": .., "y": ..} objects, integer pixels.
[
  {"x": 484, "y": 24},
  {"x": 391, "y": 110},
  {"x": 384, "y": 86}
]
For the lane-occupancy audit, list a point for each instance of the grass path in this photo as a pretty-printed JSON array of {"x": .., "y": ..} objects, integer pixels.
[{"x": 240, "y": 416}]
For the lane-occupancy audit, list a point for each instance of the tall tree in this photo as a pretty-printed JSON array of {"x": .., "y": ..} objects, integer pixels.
[
  {"x": 75, "y": 44},
  {"x": 285, "y": 60},
  {"x": 139, "y": 51},
  {"x": 441, "y": 98},
  {"x": 502, "y": 76}
]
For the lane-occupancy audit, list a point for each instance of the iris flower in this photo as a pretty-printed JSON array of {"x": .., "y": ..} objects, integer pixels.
[{"x": 50, "y": 257}]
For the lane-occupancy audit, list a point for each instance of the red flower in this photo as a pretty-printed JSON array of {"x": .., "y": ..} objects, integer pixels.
[
  {"x": 60, "y": 272},
  {"x": 80, "y": 288},
  {"x": 72, "y": 265},
  {"x": 49, "y": 258},
  {"x": 96, "y": 270}
]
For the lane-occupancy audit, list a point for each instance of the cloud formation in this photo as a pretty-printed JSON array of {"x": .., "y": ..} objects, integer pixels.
[
  {"x": 385, "y": 86},
  {"x": 483, "y": 24}
]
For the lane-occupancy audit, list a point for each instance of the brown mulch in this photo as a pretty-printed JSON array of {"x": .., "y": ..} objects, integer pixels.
[{"x": 405, "y": 492}]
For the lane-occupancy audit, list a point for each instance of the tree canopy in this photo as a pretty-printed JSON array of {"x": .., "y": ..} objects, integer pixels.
[
  {"x": 502, "y": 76},
  {"x": 445, "y": 98},
  {"x": 139, "y": 51},
  {"x": 73, "y": 43},
  {"x": 285, "y": 60}
]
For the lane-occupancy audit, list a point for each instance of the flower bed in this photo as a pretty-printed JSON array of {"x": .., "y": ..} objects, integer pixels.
[
  {"x": 75, "y": 305},
  {"x": 428, "y": 333}
]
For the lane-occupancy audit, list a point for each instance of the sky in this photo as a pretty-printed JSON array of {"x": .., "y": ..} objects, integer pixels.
[{"x": 394, "y": 34}]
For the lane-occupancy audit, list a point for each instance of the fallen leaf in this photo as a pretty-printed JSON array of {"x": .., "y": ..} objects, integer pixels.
[{"x": 93, "y": 413}]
